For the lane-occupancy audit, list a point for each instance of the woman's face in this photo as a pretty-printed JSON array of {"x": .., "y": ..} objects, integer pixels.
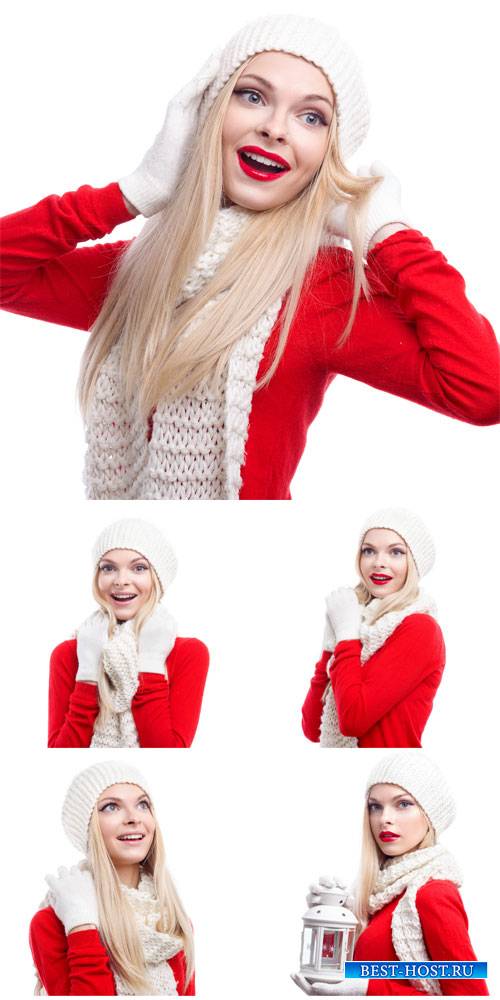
[
  {"x": 280, "y": 109},
  {"x": 383, "y": 562},
  {"x": 397, "y": 822},
  {"x": 124, "y": 581},
  {"x": 127, "y": 823}
]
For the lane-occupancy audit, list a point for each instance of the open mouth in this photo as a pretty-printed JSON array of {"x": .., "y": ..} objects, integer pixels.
[
  {"x": 123, "y": 598},
  {"x": 131, "y": 838},
  {"x": 380, "y": 578},
  {"x": 258, "y": 165}
]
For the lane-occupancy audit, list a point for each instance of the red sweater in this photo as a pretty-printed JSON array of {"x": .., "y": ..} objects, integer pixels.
[
  {"x": 78, "y": 965},
  {"x": 446, "y": 937},
  {"x": 418, "y": 337},
  {"x": 387, "y": 701},
  {"x": 165, "y": 712}
]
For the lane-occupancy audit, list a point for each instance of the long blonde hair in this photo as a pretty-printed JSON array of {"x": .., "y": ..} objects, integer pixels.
[
  {"x": 271, "y": 257},
  {"x": 372, "y": 860},
  {"x": 104, "y": 687},
  {"x": 116, "y": 918}
]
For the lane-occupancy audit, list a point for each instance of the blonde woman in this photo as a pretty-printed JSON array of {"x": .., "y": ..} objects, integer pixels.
[
  {"x": 128, "y": 679},
  {"x": 407, "y": 899},
  {"x": 217, "y": 331},
  {"x": 114, "y": 923},
  {"x": 383, "y": 650}
]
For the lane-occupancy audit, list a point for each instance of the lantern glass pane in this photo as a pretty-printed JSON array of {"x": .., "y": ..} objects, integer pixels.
[
  {"x": 309, "y": 941},
  {"x": 350, "y": 946},
  {"x": 331, "y": 952}
]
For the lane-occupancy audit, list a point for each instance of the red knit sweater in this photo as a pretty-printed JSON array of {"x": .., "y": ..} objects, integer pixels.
[
  {"x": 387, "y": 701},
  {"x": 418, "y": 337},
  {"x": 165, "y": 712},
  {"x": 446, "y": 937},
  {"x": 78, "y": 965}
]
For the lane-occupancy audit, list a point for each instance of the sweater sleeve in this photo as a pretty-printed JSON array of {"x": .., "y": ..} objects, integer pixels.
[
  {"x": 417, "y": 336},
  {"x": 446, "y": 934},
  {"x": 73, "y": 707},
  {"x": 312, "y": 709},
  {"x": 363, "y": 694},
  {"x": 178, "y": 966},
  {"x": 166, "y": 713},
  {"x": 76, "y": 965},
  {"x": 43, "y": 275}
]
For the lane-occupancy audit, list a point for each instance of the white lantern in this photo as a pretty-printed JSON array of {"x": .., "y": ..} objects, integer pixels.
[{"x": 327, "y": 935}]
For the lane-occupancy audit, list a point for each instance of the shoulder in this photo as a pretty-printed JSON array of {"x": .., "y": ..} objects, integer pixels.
[
  {"x": 422, "y": 626},
  {"x": 192, "y": 651},
  {"x": 65, "y": 653},
  {"x": 437, "y": 898},
  {"x": 45, "y": 926}
]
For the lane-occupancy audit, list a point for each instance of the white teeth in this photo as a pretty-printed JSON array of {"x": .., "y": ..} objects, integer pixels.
[
  {"x": 132, "y": 836},
  {"x": 264, "y": 160}
]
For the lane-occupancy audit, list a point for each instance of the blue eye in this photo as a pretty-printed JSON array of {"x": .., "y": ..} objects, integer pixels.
[
  {"x": 141, "y": 568},
  {"x": 109, "y": 807},
  {"x": 247, "y": 94},
  {"x": 106, "y": 568},
  {"x": 319, "y": 120},
  {"x": 404, "y": 803},
  {"x": 373, "y": 806},
  {"x": 145, "y": 803}
]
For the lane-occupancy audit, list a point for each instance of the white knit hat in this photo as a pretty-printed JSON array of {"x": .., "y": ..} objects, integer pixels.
[
  {"x": 142, "y": 537},
  {"x": 316, "y": 42},
  {"x": 422, "y": 778},
  {"x": 84, "y": 791},
  {"x": 411, "y": 528}
]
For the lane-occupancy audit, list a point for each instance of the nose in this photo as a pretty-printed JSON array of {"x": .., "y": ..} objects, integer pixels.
[
  {"x": 122, "y": 575},
  {"x": 273, "y": 126},
  {"x": 386, "y": 816}
]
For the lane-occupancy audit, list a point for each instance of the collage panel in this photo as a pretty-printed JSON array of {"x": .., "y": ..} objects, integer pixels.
[{"x": 260, "y": 309}]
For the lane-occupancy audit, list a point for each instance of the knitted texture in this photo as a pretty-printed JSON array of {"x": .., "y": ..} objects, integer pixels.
[
  {"x": 197, "y": 444},
  {"x": 316, "y": 42},
  {"x": 84, "y": 791},
  {"x": 372, "y": 637},
  {"x": 143, "y": 537},
  {"x": 411, "y": 528},
  {"x": 422, "y": 778},
  {"x": 157, "y": 946},
  {"x": 410, "y": 872}
]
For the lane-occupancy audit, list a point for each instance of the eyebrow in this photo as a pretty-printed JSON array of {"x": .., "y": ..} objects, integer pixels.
[
  {"x": 404, "y": 795},
  {"x": 112, "y": 563},
  {"x": 267, "y": 83},
  {"x": 113, "y": 798}
]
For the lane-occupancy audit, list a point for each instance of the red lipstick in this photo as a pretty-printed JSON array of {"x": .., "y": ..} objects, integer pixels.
[
  {"x": 387, "y": 836},
  {"x": 380, "y": 578},
  {"x": 253, "y": 167}
]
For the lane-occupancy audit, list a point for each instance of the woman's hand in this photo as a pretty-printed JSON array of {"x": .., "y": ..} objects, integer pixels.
[
  {"x": 155, "y": 642},
  {"x": 346, "y": 987},
  {"x": 344, "y": 613},
  {"x": 324, "y": 884},
  {"x": 152, "y": 184},
  {"x": 90, "y": 641},
  {"x": 385, "y": 213},
  {"x": 73, "y": 897}
]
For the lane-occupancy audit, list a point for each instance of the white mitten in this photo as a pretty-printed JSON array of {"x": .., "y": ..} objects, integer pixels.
[
  {"x": 90, "y": 640},
  {"x": 346, "y": 987},
  {"x": 344, "y": 611},
  {"x": 73, "y": 897},
  {"x": 384, "y": 206},
  {"x": 156, "y": 639},
  {"x": 324, "y": 884},
  {"x": 151, "y": 185}
]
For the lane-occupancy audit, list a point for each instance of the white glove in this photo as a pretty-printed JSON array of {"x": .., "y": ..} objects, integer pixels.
[
  {"x": 73, "y": 897},
  {"x": 155, "y": 642},
  {"x": 384, "y": 206},
  {"x": 346, "y": 988},
  {"x": 90, "y": 640},
  {"x": 151, "y": 185},
  {"x": 324, "y": 884},
  {"x": 344, "y": 612}
]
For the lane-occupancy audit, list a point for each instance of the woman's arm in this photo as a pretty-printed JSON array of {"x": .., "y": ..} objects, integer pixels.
[
  {"x": 76, "y": 965},
  {"x": 446, "y": 934},
  {"x": 364, "y": 694},
  {"x": 165, "y": 712},
  {"x": 73, "y": 707},
  {"x": 418, "y": 336},
  {"x": 178, "y": 966},
  {"x": 312, "y": 709},
  {"x": 42, "y": 274}
]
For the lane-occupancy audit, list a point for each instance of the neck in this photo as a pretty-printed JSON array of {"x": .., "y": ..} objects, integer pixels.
[{"x": 129, "y": 875}]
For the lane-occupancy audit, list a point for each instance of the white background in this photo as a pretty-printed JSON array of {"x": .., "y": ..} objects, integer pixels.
[{"x": 253, "y": 812}]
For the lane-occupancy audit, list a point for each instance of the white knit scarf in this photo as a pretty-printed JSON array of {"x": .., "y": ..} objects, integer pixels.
[
  {"x": 157, "y": 947},
  {"x": 121, "y": 663},
  {"x": 372, "y": 636},
  {"x": 410, "y": 872},
  {"x": 198, "y": 442}
]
